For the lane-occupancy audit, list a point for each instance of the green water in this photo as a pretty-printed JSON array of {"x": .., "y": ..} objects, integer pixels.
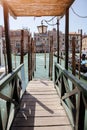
[{"x": 41, "y": 72}]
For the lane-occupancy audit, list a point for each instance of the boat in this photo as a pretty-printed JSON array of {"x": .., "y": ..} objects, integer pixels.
[
  {"x": 82, "y": 67},
  {"x": 60, "y": 55}
]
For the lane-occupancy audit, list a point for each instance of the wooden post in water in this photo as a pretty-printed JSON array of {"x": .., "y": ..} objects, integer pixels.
[
  {"x": 73, "y": 71},
  {"x": 22, "y": 47},
  {"x": 4, "y": 52},
  {"x": 35, "y": 54},
  {"x": 7, "y": 36},
  {"x": 33, "y": 58},
  {"x": 80, "y": 52},
  {"x": 51, "y": 58},
  {"x": 29, "y": 58},
  {"x": 49, "y": 54},
  {"x": 73, "y": 56},
  {"x": 45, "y": 55}
]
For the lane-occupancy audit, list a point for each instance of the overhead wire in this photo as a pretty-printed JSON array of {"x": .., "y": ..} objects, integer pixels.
[
  {"x": 78, "y": 14},
  {"x": 47, "y": 21}
]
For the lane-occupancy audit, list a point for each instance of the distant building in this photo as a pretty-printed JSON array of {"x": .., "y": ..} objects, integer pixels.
[
  {"x": 77, "y": 37},
  {"x": 42, "y": 41},
  {"x": 15, "y": 40},
  {"x": 84, "y": 42}
]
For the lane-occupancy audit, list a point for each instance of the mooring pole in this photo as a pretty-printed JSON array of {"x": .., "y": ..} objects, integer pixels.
[
  {"x": 29, "y": 66},
  {"x": 80, "y": 52},
  {"x": 51, "y": 58},
  {"x": 73, "y": 56},
  {"x": 22, "y": 47}
]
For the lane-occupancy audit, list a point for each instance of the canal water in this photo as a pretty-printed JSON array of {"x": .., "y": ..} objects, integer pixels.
[{"x": 41, "y": 72}]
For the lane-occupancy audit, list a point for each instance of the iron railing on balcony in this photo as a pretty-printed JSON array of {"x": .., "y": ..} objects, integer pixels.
[
  {"x": 73, "y": 95},
  {"x": 12, "y": 88}
]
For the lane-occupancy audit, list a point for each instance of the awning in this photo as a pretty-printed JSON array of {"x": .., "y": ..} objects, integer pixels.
[{"x": 38, "y": 7}]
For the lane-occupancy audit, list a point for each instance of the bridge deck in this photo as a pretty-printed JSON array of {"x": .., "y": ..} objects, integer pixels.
[{"x": 41, "y": 109}]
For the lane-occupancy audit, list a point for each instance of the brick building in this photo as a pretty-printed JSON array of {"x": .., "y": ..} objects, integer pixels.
[
  {"x": 15, "y": 40},
  {"x": 42, "y": 41}
]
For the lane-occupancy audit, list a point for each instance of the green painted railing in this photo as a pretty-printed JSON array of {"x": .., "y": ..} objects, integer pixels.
[
  {"x": 12, "y": 88},
  {"x": 73, "y": 95}
]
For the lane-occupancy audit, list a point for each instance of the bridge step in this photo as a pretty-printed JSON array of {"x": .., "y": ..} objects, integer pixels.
[{"x": 41, "y": 109}]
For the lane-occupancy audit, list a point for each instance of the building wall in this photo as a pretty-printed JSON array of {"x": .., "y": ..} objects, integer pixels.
[
  {"x": 15, "y": 40},
  {"x": 84, "y": 42},
  {"x": 42, "y": 41},
  {"x": 77, "y": 37}
]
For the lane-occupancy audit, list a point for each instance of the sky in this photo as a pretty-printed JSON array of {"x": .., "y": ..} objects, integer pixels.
[{"x": 75, "y": 22}]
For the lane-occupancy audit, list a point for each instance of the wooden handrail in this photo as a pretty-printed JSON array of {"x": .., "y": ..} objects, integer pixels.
[
  {"x": 73, "y": 94},
  {"x": 10, "y": 76},
  {"x": 82, "y": 86},
  {"x": 12, "y": 88}
]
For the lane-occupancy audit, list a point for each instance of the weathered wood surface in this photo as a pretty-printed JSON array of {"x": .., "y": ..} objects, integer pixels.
[{"x": 41, "y": 109}]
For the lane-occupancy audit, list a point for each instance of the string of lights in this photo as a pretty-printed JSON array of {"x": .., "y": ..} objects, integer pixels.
[{"x": 78, "y": 14}]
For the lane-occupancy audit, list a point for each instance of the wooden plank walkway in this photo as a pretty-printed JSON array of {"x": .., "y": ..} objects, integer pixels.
[{"x": 41, "y": 109}]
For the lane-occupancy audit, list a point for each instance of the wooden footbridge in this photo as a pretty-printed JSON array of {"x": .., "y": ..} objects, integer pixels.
[
  {"x": 41, "y": 109},
  {"x": 41, "y": 104}
]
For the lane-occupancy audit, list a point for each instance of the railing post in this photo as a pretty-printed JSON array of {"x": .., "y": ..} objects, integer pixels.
[
  {"x": 62, "y": 86},
  {"x": 80, "y": 113}
]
